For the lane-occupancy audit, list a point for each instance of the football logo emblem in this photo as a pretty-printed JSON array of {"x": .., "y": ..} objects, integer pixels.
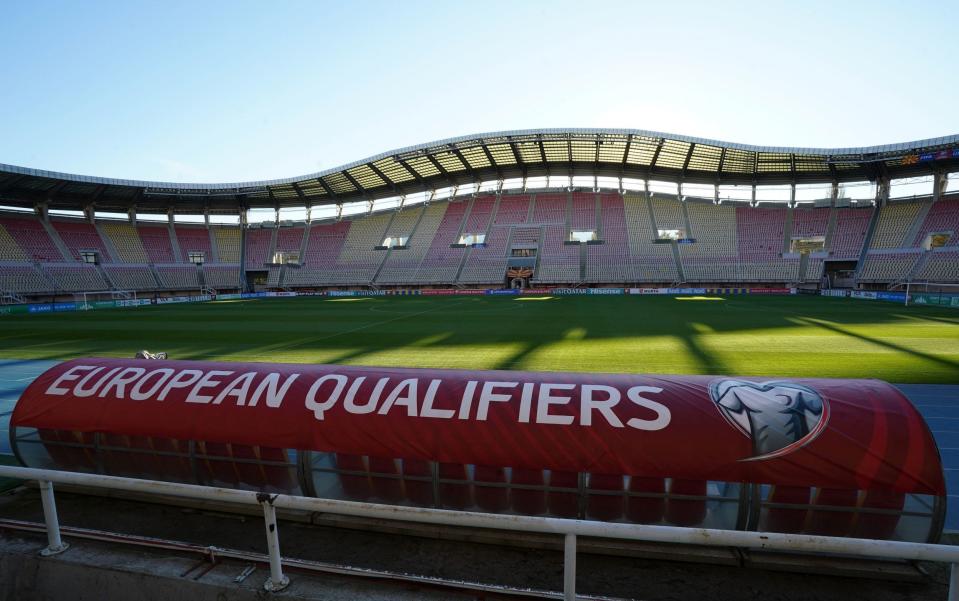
[{"x": 778, "y": 417}]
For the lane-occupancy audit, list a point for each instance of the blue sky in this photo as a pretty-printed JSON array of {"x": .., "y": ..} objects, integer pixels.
[{"x": 232, "y": 91}]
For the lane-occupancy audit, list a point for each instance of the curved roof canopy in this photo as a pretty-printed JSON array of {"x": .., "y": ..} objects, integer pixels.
[{"x": 500, "y": 155}]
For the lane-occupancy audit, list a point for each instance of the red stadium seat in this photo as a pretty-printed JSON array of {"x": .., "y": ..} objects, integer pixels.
[
  {"x": 686, "y": 512},
  {"x": 874, "y": 525},
  {"x": 830, "y": 522},
  {"x": 563, "y": 504},
  {"x": 386, "y": 488},
  {"x": 491, "y": 498},
  {"x": 217, "y": 468},
  {"x": 419, "y": 492},
  {"x": 605, "y": 507},
  {"x": 646, "y": 510},
  {"x": 356, "y": 486},
  {"x": 781, "y": 519},
  {"x": 454, "y": 496},
  {"x": 525, "y": 501}
]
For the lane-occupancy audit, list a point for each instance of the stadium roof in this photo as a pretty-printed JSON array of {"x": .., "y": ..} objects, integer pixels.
[{"x": 493, "y": 156}]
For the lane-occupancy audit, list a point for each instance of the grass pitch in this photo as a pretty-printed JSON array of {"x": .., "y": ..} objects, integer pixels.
[{"x": 740, "y": 335}]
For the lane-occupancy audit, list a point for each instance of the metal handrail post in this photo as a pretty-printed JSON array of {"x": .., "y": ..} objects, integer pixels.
[
  {"x": 54, "y": 543},
  {"x": 277, "y": 581},
  {"x": 569, "y": 568}
]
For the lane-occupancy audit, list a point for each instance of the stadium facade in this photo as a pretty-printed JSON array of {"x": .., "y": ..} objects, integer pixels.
[{"x": 525, "y": 208}]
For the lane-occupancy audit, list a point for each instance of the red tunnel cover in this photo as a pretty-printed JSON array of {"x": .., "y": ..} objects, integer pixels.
[{"x": 860, "y": 434}]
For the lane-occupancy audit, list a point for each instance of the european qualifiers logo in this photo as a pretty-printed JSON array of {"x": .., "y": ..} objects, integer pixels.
[{"x": 778, "y": 416}]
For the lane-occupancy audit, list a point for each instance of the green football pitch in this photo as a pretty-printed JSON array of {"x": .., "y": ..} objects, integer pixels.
[{"x": 740, "y": 335}]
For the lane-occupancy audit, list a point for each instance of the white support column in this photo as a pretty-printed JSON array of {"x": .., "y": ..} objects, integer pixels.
[
  {"x": 206, "y": 218},
  {"x": 309, "y": 213},
  {"x": 569, "y": 568},
  {"x": 792, "y": 195},
  {"x": 54, "y": 543},
  {"x": 752, "y": 202},
  {"x": 939, "y": 183},
  {"x": 277, "y": 581},
  {"x": 715, "y": 194},
  {"x": 132, "y": 215},
  {"x": 833, "y": 194},
  {"x": 954, "y": 582}
]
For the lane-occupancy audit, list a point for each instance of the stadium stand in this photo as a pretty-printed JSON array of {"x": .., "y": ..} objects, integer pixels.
[
  {"x": 324, "y": 244},
  {"x": 760, "y": 233},
  {"x": 712, "y": 258},
  {"x": 359, "y": 259},
  {"x": 401, "y": 265},
  {"x": 81, "y": 236},
  {"x": 893, "y": 224},
  {"x": 441, "y": 261},
  {"x": 9, "y": 249},
  {"x": 32, "y": 238},
  {"x": 289, "y": 239},
  {"x": 131, "y": 277},
  {"x": 609, "y": 261},
  {"x": 76, "y": 277},
  {"x": 156, "y": 243},
  {"x": 221, "y": 277},
  {"x": 850, "y": 234},
  {"x": 178, "y": 277},
  {"x": 943, "y": 217},
  {"x": 193, "y": 239},
  {"x": 583, "y": 214},
  {"x": 258, "y": 247},
  {"x": 23, "y": 279},
  {"x": 889, "y": 266},
  {"x": 808, "y": 223},
  {"x": 942, "y": 265},
  {"x": 513, "y": 210},
  {"x": 559, "y": 262},
  {"x": 651, "y": 262},
  {"x": 486, "y": 264},
  {"x": 227, "y": 244},
  {"x": 126, "y": 241}
]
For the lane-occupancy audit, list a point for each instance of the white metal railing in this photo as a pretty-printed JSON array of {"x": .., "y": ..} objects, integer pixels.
[{"x": 570, "y": 529}]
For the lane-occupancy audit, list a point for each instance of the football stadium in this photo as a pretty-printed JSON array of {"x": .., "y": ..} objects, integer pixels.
[{"x": 590, "y": 363}]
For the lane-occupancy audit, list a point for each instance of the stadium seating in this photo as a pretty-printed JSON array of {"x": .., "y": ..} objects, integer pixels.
[
  {"x": 324, "y": 244},
  {"x": 227, "y": 244},
  {"x": 558, "y": 262},
  {"x": 650, "y": 262},
  {"x": 76, "y": 277},
  {"x": 80, "y": 236},
  {"x": 943, "y": 216},
  {"x": 808, "y": 223},
  {"x": 156, "y": 243},
  {"x": 894, "y": 222},
  {"x": 401, "y": 265},
  {"x": 851, "y": 227},
  {"x": 359, "y": 259},
  {"x": 9, "y": 249},
  {"x": 888, "y": 266},
  {"x": 131, "y": 277},
  {"x": 712, "y": 258},
  {"x": 583, "y": 215},
  {"x": 609, "y": 262},
  {"x": 258, "y": 247},
  {"x": 942, "y": 265},
  {"x": 221, "y": 277},
  {"x": 441, "y": 262},
  {"x": 487, "y": 264},
  {"x": 23, "y": 279},
  {"x": 178, "y": 277},
  {"x": 760, "y": 234},
  {"x": 289, "y": 239},
  {"x": 549, "y": 209},
  {"x": 193, "y": 239},
  {"x": 32, "y": 238},
  {"x": 125, "y": 240},
  {"x": 734, "y": 243}
]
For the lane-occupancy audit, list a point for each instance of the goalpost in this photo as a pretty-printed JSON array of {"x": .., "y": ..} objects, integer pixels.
[
  {"x": 930, "y": 288},
  {"x": 87, "y": 297}
]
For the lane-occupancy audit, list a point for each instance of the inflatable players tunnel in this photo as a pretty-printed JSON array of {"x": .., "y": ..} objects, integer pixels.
[{"x": 833, "y": 457}]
